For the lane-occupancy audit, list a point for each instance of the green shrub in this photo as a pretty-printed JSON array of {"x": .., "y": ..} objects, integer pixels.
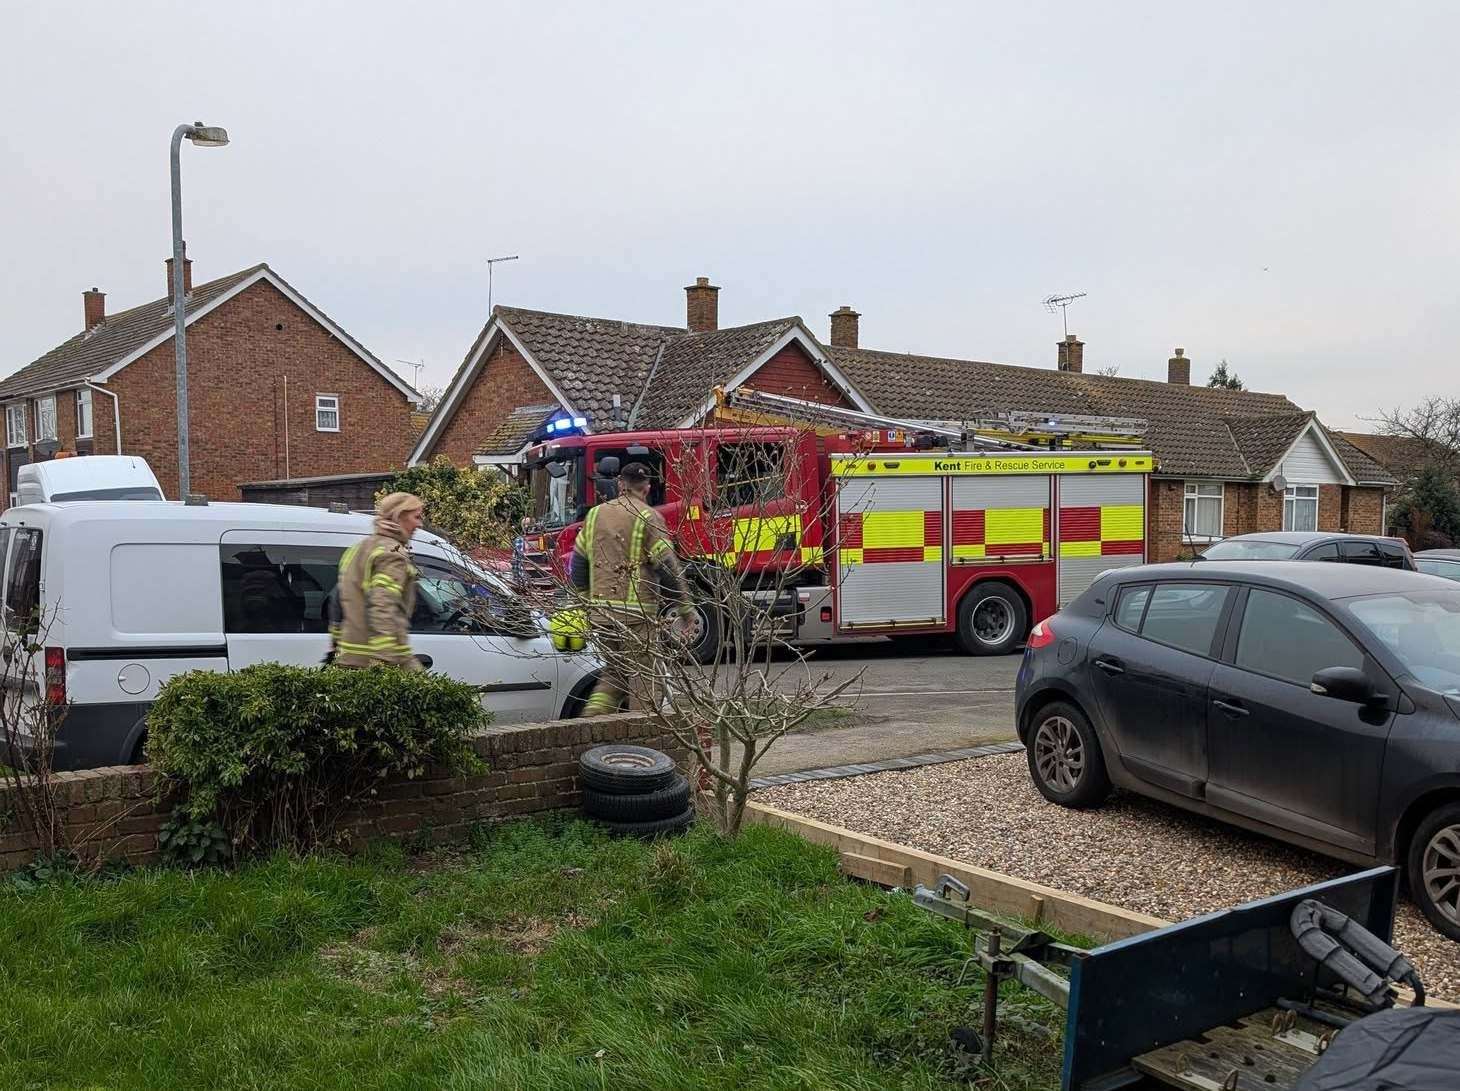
[
  {"x": 278, "y": 754},
  {"x": 476, "y": 509}
]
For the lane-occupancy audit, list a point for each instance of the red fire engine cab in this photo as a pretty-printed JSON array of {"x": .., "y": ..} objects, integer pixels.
[{"x": 884, "y": 527}]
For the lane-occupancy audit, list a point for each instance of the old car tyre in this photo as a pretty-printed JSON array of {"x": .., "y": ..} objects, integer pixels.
[
  {"x": 1064, "y": 756},
  {"x": 623, "y": 769},
  {"x": 657, "y": 828},
  {"x": 639, "y": 806},
  {"x": 1433, "y": 865},
  {"x": 992, "y": 620}
]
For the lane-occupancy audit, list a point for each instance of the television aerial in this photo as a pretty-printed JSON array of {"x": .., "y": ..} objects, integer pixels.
[{"x": 1062, "y": 303}]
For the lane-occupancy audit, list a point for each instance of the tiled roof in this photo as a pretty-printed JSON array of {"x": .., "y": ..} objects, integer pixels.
[
  {"x": 93, "y": 351},
  {"x": 516, "y": 429},
  {"x": 590, "y": 359},
  {"x": 694, "y": 364},
  {"x": 1188, "y": 427},
  {"x": 1400, "y": 455}
]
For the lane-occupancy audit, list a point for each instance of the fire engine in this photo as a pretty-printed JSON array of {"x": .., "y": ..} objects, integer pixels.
[{"x": 893, "y": 528}]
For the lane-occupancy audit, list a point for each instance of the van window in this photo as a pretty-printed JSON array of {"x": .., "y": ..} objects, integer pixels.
[
  {"x": 23, "y": 587},
  {"x": 449, "y": 600},
  {"x": 278, "y": 588},
  {"x": 125, "y": 492},
  {"x": 4, "y": 556}
]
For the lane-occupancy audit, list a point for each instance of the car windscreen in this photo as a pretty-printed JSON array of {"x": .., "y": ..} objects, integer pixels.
[
  {"x": 129, "y": 492},
  {"x": 1422, "y": 628},
  {"x": 1436, "y": 567},
  {"x": 1251, "y": 549}
]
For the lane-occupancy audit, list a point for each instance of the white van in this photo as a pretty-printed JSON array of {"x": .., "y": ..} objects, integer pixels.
[
  {"x": 132, "y": 593},
  {"x": 86, "y": 477}
]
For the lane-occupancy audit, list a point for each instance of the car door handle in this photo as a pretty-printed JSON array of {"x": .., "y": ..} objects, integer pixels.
[
  {"x": 1110, "y": 666},
  {"x": 1229, "y": 708}
]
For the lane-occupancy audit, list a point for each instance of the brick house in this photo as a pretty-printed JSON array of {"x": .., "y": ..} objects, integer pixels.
[
  {"x": 275, "y": 390},
  {"x": 1230, "y": 461}
]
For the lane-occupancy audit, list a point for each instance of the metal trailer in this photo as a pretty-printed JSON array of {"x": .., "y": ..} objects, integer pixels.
[{"x": 1223, "y": 1002}]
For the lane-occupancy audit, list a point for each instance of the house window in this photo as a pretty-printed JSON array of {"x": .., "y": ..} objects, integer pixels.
[
  {"x": 15, "y": 425},
  {"x": 1202, "y": 512},
  {"x": 83, "y": 414},
  {"x": 45, "y": 418},
  {"x": 326, "y": 412},
  {"x": 1300, "y": 507}
]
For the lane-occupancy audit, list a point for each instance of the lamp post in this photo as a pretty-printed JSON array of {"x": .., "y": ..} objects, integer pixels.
[{"x": 204, "y": 136}]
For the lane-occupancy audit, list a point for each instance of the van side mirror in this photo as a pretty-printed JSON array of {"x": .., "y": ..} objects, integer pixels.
[{"x": 1346, "y": 684}]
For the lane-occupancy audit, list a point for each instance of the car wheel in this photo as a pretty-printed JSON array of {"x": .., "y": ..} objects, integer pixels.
[
  {"x": 640, "y": 806},
  {"x": 992, "y": 620},
  {"x": 702, "y": 638},
  {"x": 622, "y": 769},
  {"x": 1064, "y": 756},
  {"x": 1434, "y": 869}
]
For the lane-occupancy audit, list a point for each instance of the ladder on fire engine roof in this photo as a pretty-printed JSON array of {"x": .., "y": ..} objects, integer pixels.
[{"x": 1006, "y": 431}]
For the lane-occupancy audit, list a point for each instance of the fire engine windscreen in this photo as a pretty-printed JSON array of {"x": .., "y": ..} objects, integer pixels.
[{"x": 556, "y": 488}]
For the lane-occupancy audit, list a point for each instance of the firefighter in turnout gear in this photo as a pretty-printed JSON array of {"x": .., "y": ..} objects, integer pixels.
[
  {"x": 377, "y": 590},
  {"x": 624, "y": 560}
]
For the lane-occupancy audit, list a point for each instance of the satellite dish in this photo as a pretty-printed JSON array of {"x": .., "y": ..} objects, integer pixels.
[{"x": 1279, "y": 483}]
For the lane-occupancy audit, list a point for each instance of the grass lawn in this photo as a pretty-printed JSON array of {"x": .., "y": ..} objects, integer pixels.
[{"x": 544, "y": 955}]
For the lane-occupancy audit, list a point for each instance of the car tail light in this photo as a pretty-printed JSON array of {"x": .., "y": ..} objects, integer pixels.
[
  {"x": 1041, "y": 636},
  {"x": 55, "y": 676}
]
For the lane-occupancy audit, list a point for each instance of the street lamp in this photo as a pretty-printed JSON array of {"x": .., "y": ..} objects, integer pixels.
[{"x": 204, "y": 136}]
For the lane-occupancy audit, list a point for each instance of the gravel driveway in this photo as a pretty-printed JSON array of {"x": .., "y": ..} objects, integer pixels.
[{"x": 1132, "y": 852}]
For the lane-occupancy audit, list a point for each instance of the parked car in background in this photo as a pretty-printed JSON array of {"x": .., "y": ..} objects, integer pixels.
[
  {"x": 1305, "y": 545},
  {"x": 88, "y": 477},
  {"x": 1439, "y": 562},
  {"x": 1315, "y": 703},
  {"x": 127, "y": 595}
]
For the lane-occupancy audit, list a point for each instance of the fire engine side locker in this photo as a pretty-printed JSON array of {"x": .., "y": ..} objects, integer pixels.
[
  {"x": 1102, "y": 525},
  {"x": 890, "y": 567}
]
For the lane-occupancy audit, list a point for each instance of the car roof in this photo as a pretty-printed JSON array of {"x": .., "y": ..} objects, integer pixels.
[
  {"x": 1440, "y": 554},
  {"x": 1305, "y": 537},
  {"x": 1323, "y": 578}
]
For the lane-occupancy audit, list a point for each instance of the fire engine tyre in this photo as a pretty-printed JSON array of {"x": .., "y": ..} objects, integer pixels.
[
  {"x": 658, "y": 828},
  {"x": 992, "y": 620},
  {"x": 1064, "y": 756},
  {"x": 639, "y": 807},
  {"x": 1430, "y": 863},
  {"x": 703, "y": 642},
  {"x": 622, "y": 769}
]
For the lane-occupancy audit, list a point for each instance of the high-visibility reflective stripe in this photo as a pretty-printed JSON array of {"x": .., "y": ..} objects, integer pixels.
[
  {"x": 1079, "y": 549},
  {"x": 812, "y": 555},
  {"x": 921, "y": 465},
  {"x": 584, "y": 543},
  {"x": 1122, "y": 523},
  {"x": 1013, "y": 525},
  {"x": 380, "y": 579},
  {"x": 658, "y": 549},
  {"x": 373, "y": 649}
]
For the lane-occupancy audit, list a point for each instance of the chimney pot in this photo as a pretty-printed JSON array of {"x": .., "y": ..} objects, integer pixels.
[
  {"x": 187, "y": 276},
  {"x": 702, "y": 306},
  {"x": 1178, "y": 369},
  {"x": 844, "y": 327},
  {"x": 94, "y": 304},
  {"x": 1071, "y": 354}
]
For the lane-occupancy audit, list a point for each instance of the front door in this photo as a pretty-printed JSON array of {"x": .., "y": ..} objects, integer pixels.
[
  {"x": 1281, "y": 753},
  {"x": 1150, "y": 665}
]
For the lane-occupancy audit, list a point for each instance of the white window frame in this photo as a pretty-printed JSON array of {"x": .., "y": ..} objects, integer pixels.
[
  {"x": 1191, "y": 501},
  {"x": 320, "y": 407},
  {"x": 83, "y": 399},
  {"x": 1296, "y": 494},
  {"x": 12, "y": 439},
  {"x": 40, "y": 419}
]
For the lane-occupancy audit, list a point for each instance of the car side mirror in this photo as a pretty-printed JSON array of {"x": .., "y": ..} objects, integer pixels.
[{"x": 1346, "y": 684}]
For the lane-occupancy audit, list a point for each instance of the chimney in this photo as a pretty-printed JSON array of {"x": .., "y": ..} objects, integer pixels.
[
  {"x": 1072, "y": 353},
  {"x": 95, "y": 304},
  {"x": 187, "y": 276},
  {"x": 844, "y": 327},
  {"x": 1178, "y": 369},
  {"x": 702, "y": 306}
]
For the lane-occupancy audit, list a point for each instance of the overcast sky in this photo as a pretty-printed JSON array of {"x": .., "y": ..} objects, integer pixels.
[{"x": 1278, "y": 185}]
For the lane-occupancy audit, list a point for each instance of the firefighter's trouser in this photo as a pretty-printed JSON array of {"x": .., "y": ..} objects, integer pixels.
[{"x": 628, "y": 645}]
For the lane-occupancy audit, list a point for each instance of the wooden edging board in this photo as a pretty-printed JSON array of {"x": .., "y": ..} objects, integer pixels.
[{"x": 890, "y": 864}]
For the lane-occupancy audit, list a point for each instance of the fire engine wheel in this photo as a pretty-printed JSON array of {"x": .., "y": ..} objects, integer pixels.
[
  {"x": 992, "y": 620},
  {"x": 702, "y": 638}
]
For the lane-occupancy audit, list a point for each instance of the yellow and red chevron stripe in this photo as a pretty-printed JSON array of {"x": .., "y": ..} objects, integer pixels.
[
  {"x": 1102, "y": 532},
  {"x": 880, "y": 537},
  {"x": 980, "y": 533}
]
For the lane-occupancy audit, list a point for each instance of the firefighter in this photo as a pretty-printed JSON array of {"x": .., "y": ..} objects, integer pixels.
[
  {"x": 377, "y": 590},
  {"x": 624, "y": 560}
]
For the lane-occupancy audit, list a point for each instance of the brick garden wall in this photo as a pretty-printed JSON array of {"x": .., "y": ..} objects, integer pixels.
[{"x": 115, "y": 813}]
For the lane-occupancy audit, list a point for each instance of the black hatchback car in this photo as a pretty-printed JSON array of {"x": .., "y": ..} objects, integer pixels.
[
  {"x": 1316, "y": 703},
  {"x": 1312, "y": 545}
]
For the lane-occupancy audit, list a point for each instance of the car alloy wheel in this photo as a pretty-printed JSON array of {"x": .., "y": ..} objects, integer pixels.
[
  {"x": 1059, "y": 755},
  {"x": 1440, "y": 871},
  {"x": 993, "y": 621}
]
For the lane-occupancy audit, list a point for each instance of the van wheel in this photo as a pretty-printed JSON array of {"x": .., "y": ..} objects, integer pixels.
[
  {"x": 992, "y": 620},
  {"x": 1433, "y": 864},
  {"x": 1064, "y": 755}
]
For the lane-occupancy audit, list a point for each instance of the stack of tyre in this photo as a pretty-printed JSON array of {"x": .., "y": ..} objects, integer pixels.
[{"x": 634, "y": 791}]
